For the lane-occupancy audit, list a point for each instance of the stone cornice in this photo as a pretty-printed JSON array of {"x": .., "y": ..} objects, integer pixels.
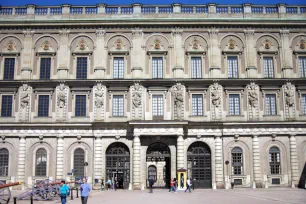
[{"x": 158, "y": 131}]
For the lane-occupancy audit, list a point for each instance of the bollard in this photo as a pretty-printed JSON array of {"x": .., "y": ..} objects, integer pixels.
[
  {"x": 15, "y": 200},
  {"x": 71, "y": 192},
  {"x": 31, "y": 199},
  {"x": 77, "y": 190}
]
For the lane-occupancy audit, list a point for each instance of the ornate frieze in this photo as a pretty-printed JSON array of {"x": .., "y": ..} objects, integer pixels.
[
  {"x": 99, "y": 93},
  {"x": 178, "y": 96},
  {"x": 158, "y": 131},
  {"x": 253, "y": 98},
  {"x": 25, "y": 93}
]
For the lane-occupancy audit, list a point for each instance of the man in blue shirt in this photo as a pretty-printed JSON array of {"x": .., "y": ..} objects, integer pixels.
[
  {"x": 64, "y": 192},
  {"x": 85, "y": 191}
]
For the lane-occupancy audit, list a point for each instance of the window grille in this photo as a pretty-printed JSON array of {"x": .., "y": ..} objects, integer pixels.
[
  {"x": 237, "y": 161},
  {"x": 271, "y": 10},
  {"x": 41, "y": 11},
  {"x": 76, "y": 10},
  {"x": 222, "y": 9},
  {"x": 21, "y": 11},
  {"x": 118, "y": 68},
  {"x": 158, "y": 105},
  {"x": 292, "y": 10},
  {"x": 234, "y": 104},
  {"x": 81, "y": 68},
  {"x": 274, "y": 160},
  {"x": 302, "y": 66},
  {"x": 165, "y": 10},
  {"x": 6, "y": 11},
  {"x": 303, "y": 104},
  {"x": 236, "y": 10},
  {"x": 187, "y": 9},
  {"x": 4, "y": 162},
  {"x": 55, "y": 11},
  {"x": 41, "y": 162},
  {"x": 268, "y": 67},
  {"x": 197, "y": 104},
  {"x": 9, "y": 68},
  {"x": 111, "y": 10},
  {"x": 148, "y": 10},
  {"x": 45, "y": 68},
  {"x": 271, "y": 104},
  {"x": 257, "y": 9},
  {"x": 201, "y": 10},
  {"x": 126, "y": 10},
  {"x": 6, "y": 106},
  {"x": 43, "y": 106},
  {"x": 80, "y": 105},
  {"x": 196, "y": 67},
  {"x": 157, "y": 66},
  {"x": 118, "y": 105},
  {"x": 91, "y": 10},
  {"x": 78, "y": 163},
  {"x": 232, "y": 67}
]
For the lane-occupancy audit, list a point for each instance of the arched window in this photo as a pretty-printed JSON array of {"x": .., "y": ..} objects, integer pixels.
[
  {"x": 274, "y": 159},
  {"x": 41, "y": 162},
  {"x": 4, "y": 162},
  {"x": 237, "y": 161},
  {"x": 78, "y": 163}
]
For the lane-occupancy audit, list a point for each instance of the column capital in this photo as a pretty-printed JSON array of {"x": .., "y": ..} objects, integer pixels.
[
  {"x": 284, "y": 33},
  {"x": 28, "y": 33},
  {"x": 218, "y": 135},
  {"x": 255, "y": 135},
  {"x": 249, "y": 32},
  {"x": 100, "y": 33},
  {"x": 136, "y": 135},
  {"x": 22, "y": 137},
  {"x": 98, "y": 136},
  {"x": 60, "y": 136},
  {"x": 292, "y": 134}
]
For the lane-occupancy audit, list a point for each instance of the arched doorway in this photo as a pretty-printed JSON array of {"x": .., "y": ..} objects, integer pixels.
[
  {"x": 78, "y": 163},
  {"x": 158, "y": 155},
  {"x": 199, "y": 165},
  {"x": 118, "y": 164}
]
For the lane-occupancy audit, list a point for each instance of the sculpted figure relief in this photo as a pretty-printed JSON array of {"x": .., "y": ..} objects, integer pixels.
[
  {"x": 252, "y": 95},
  {"x": 216, "y": 95},
  {"x": 61, "y": 96},
  {"x": 99, "y": 96},
  {"x": 178, "y": 99},
  {"x": 289, "y": 94},
  {"x": 24, "y": 96},
  {"x": 136, "y": 95}
]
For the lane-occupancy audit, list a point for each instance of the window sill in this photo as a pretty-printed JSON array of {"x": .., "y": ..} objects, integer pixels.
[
  {"x": 42, "y": 117},
  {"x": 271, "y": 115},
  {"x": 197, "y": 116},
  {"x": 240, "y": 116},
  {"x": 117, "y": 116},
  {"x": 7, "y": 117},
  {"x": 79, "y": 116}
]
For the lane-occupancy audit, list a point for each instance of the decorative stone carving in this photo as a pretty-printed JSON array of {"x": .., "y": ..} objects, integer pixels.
[
  {"x": 99, "y": 92},
  {"x": 216, "y": 101},
  {"x": 302, "y": 44},
  {"x": 117, "y": 137},
  {"x": 11, "y": 45},
  {"x": 45, "y": 45},
  {"x": 195, "y": 44},
  {"x": 137, "y": 92},
  {"x": 178, "y": 95},
  {"x": 61, "y": 102},
  {"x": 289, "y": 98},
  {"x": 157, "y": 44},
  {"x": 25, "y": 93},
  {"x": 100, "y": 33},
  {"x": 231, "y": 44},
  {"x": 3, "y": 138},
  {"x": 82, "y": 44},
  {"x": 158, "y": 131},
  {"x": 253, "y": 108},
  {"x": 119, "y": 44}
]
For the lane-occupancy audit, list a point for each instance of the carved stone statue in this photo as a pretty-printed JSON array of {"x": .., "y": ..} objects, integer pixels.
[
  {"x": 178, "y": 99},
  {"x": 137, "y": 98},
  {"x": 216, "y": 92},
  {"x": 252, "y": 95},
  {"x": 61, "y": 96},
  {"x": 289, "y": 94},
  {"x": 24, "y": 96},
  {"x": 99, "y": 93},
  {"x": 99, "y": 96},
  {"x": 25, "y": 92}
]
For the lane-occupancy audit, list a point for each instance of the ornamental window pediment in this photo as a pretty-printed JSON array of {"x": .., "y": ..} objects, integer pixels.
[
  {"x": 46, "y": 48},
  {"x": 82, "y": 46},
  {"x": 232, "y": 47},
  {"x": 10, "y": 46},
  {"x": 119, "y": 45},
  {"x": 195, "y": 46},
  {"x": 267, "y": 46},
  {"x": 157, "y": 47},
  {"x": 300, "y": 46}
]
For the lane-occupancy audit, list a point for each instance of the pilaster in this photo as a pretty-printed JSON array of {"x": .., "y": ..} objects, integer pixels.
[
  {"x": 98, "y": 158},
  {"x": 136, "y": 163},
  {"x": 214, "y": 54},
  {"x": 256, "y": 161},
  {"x": 251, "y": 62},
  {"x": 60, "y": 157},
  {"x": 21, "y": 160},
  {"x": 219, "y": 162},
  {"x": 100, "y": 55},
  {"x": 63, "y": 52},
  {"x": 27, "y": 55},
  {"x": 294, "y": 161},
  {"x": 178, "y": 54},
  {"x": 286, "y": 54},
  {"x": 137, "y": 54},
  {"x": 180, "y": 152}
]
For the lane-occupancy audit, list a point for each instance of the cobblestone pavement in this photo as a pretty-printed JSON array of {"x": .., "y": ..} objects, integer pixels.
[{"x": 162, "y": 196}]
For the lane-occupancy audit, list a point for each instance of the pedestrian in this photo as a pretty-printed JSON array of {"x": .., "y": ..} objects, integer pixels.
[
  {"x": 188, "y": 185},
  {"x": 85, "y": 191},
  {"x": 115, "y": 184},
  {"x": 175, "y": 184},
  {"x": 172, "y": 186},
  {"x": 102, "y": 185},
  {"x": 109, "y": 184},
  {"x": 64, "y": 192},
  {"x": 151, "y": 182}
]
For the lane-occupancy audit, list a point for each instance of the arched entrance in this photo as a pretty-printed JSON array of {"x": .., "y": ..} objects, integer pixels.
[
  {"x": 118, "y": 164},
  {"x": 199, "y": 165},
  {"x": 158, "y": 156}
]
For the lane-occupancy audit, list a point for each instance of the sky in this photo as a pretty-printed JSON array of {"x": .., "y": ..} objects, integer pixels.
[{"x": 114, "y": 2}]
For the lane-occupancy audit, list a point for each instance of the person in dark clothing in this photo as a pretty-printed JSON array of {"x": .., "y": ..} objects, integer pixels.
[{"x": 151, "y": 183}]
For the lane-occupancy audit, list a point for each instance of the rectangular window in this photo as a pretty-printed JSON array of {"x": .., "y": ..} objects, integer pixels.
[
  {"x": 274, "y": 159},
  {"x": 232, "y": 67},
  {"x": 157, "y": 67},
  {"x": 6, "y": 107},
  {"x": 43, "y": 106},
  {"x": 9, "y": 68},
  {"x": 302, "y": 66},
  {"x": 118, "y": 67},
  {"x": 234, "y": 104},
  {"x": 303, "y": 104},
  {"x": 80, "y": 105},
  {"x": 158, "y": 105},
  {"x": 118, "y": 106},
  {"x": 271, "y": 104},
  {"x": 196, "y": 67},
  {"x": 268, "y": 67},
  {"x": 197, "y": 104},
  {"x": 45, "y": 68},
  {"x": 81, "y": 72}
]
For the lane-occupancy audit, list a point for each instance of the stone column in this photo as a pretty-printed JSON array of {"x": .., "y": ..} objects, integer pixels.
[
  {"x": 60, "y": 157},
  {"x": 100, "y": 56},
  {"x": 178, "y": 54},
  {"x": 136, "y": 163},
  {"x": 251, "y": 62},
  {"x": 256, "y": 161},
  {"x": 218, "y": 162},
  {"x": 214, "y": 54},
  {"x": 21, "y": 161},
  {"x": 63, "y": 52},
  {"x": 27, "y": 55},
  {"x": 180, "y": 152},
  {"x": 286, "y": 54},
  {"x": 98, "y": 158},
  {"x": 293, "y": 161},
  {"x": 137, "y": 54}
]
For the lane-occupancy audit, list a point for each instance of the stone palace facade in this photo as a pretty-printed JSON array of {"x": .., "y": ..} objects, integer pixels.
[{"x": 131, "y": 91}]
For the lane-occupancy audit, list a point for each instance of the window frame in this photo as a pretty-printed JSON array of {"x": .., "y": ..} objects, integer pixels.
[
  {"x": 238, "y": 65},
  {"x": 202, "y": 65},
  {"x": 76, "y": 68},
  {"x": 276, "y": 102},
  {"x": 228, "y": 101},
  {"x": 241, "y": 163},
  {"x": 74, "y": 64},
  {"x": 112, "y": 66},
  {"x": 240, "y": 92},
  {"x": 38, "y": 97},
  {"x": 124, "y": 105},
  {"x": 164, "y": 60},
  {"x": 157, "y": 92},
  {"x": 43, "y": 91},
  {"x": 35, "y": 163},
  {"x": 274, "y": 61},
  {"x": 162, "y": 67},
  {"x": 275, "y": 163},
  {"x": 13, "y": 104},
  {"x": 203, "y": 105},
  {"x": 8, "y": 162},
  {"x": 52, "y": 64},
  {"x": 15, "y": 66},
  {"x": 163, "y": 108},
  {"x": 298, "y": 65},
  {"x": 301, "y": 94}
]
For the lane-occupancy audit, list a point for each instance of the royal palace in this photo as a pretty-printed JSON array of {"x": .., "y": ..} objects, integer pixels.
[{"x": 128, "y": 92}]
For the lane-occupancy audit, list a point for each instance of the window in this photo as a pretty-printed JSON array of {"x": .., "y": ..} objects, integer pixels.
[
  {"x": 4, "y": 162},
  {"x": 118, "y": 68},
  {"x": 237, "y": 161},
  {"x": 274, "y": 159},
  {"x": 196, "y": 67},
  {"x": 78, "y": 163},
  {"x": 81, "y": 68},
  {"x": 268, "y": 67},
  {"x": 43, "y": 106},
  {"x": 271, "y": 104},
  {"x": 9, "y": 68},
  {"x": 6, "y": 107},
  {"x": 80, "y": 105},
  {"x": 45, "y": 68},
  {"x": 157, "y": 67},
  {"x": 158, "y": 105},
  {"x": 302, "y": 66},
  {"x": 303, "y": 104},
  {"x": 232, "y": 67},
  {"x": 197, "y": 104},
  {"x": 118, "y": 106},
  {"x": 234, "y": 104},
  {"x": 41, "y": 162}
]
